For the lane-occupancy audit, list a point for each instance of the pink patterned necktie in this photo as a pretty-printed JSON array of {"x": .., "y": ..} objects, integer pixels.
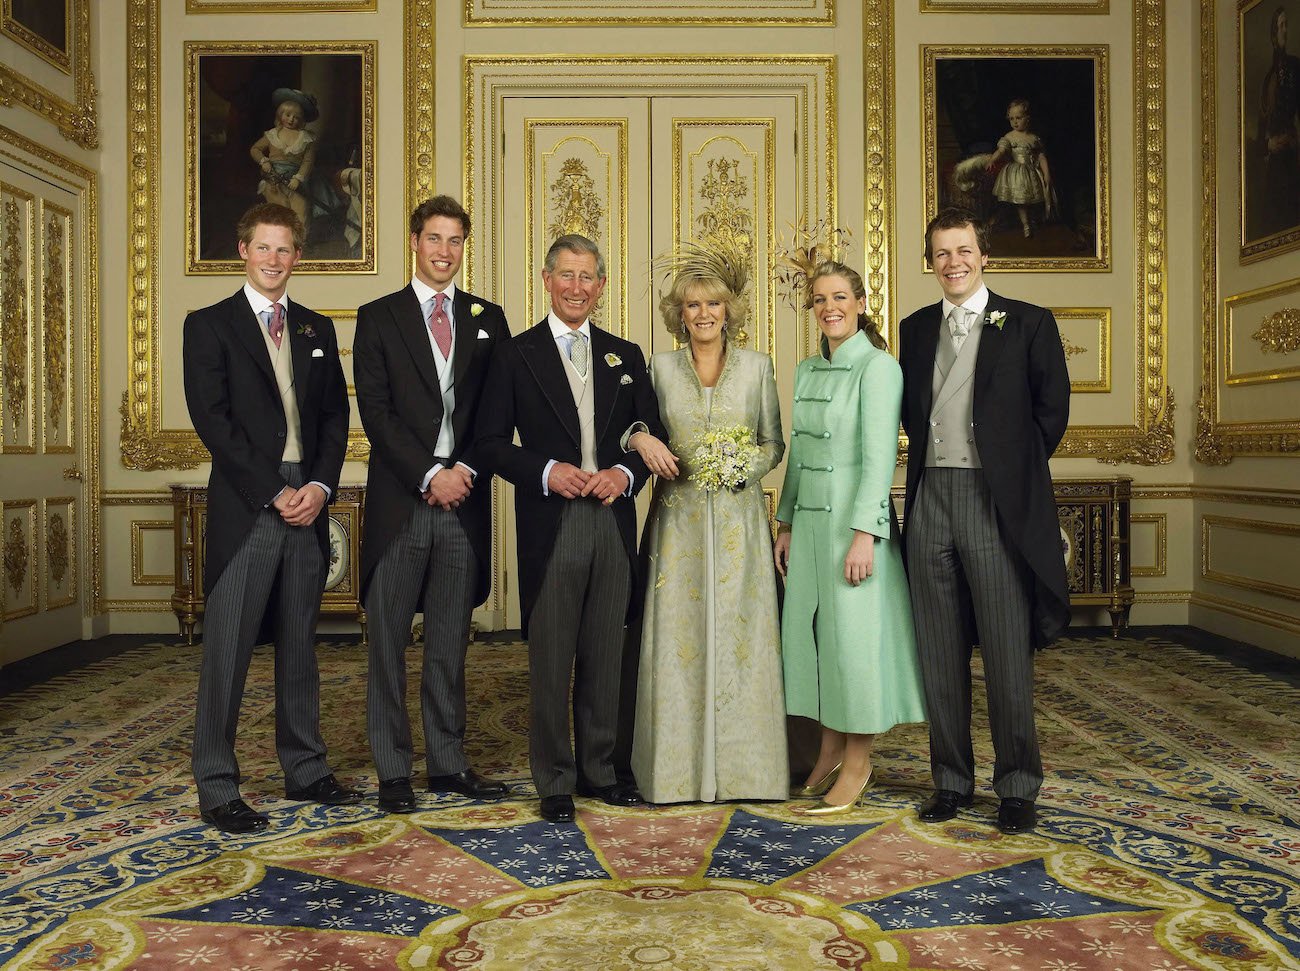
[
  {"x": 276, "y": 324},
  {"x": 439, "y": 325}
]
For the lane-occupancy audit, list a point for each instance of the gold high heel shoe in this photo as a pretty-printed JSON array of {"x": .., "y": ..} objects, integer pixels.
[
  {"x": 820, "y": 787},
  {"x": 824, "y": 808}
]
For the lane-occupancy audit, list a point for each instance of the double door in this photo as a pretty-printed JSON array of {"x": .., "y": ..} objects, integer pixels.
[{"x": 640, "y": 176}]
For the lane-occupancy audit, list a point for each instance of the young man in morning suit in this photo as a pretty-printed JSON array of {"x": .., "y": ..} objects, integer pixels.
[
  {"x": 267, "y": 396},
  {"x": 421, "y": 356},
  {"x": 571, "y": 389},
  {"x": 986, "y": 399}
]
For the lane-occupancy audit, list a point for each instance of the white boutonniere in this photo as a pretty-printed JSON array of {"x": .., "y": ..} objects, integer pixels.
[
  {"x": 613, "y": 360},
  {"x": 998, "y": 318},
  {"x": 625, "y": 379},
  {"x": 475, "y": 309}
]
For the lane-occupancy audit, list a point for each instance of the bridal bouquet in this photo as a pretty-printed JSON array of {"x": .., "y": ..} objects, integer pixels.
[{"x": 722, "y": 457}]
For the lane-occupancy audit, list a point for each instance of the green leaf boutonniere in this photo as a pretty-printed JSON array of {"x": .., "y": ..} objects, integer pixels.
[
  {"x": 475, "y": 309},
  {"x": 613, "y": 360},
  {"x": 998, "y": 318},
  {"x": 305, "y": 330}
]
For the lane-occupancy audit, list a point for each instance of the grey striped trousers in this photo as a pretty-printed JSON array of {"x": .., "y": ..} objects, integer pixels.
[
  {"x": 968, "y": 586},
  {"x": 576, "y": 628},
  {"x": 231, "y": 618},
  {"x": 430, "y": 564}
]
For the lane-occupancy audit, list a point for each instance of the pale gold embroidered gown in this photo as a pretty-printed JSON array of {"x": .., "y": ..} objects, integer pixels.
[{"x": 710, "y": 718}]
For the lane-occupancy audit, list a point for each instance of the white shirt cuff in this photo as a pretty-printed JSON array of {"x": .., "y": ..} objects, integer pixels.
[
  {"x": 428, "y": 476},
  {"x": 546, "y": 475},
  {"x": 630, "y": 480},
  {"x": 328, "y": 493}
]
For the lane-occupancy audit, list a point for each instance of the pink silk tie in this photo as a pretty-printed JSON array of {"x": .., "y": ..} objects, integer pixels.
[
  {"x": 276, "y": 326},
  {"x": 440, "y": 326}
]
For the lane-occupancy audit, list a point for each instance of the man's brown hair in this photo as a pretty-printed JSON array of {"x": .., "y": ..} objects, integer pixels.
[
  {"x": 957, "y": 218},
  {"x": 439, "y": 206},
  {"x": 270, "y": 214}
]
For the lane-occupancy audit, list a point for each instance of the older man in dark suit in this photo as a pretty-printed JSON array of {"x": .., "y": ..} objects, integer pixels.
[
  {"x": 986, "y": 400},
  {"x": 421, "y": 356},
  {"x": 571, "y": 389},
  {"x": 267, "y": 396}
]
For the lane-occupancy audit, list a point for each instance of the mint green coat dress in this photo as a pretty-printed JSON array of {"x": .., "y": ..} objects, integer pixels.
[{"x": 849, "y": 653}]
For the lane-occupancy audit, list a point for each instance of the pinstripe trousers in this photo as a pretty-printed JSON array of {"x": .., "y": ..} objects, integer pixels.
[
  {"x": 576, "y": 629},
  {"x": 960, "y": 567},
  {"x": 429, "y": 564},
  {"x": 273, "y": 551}
]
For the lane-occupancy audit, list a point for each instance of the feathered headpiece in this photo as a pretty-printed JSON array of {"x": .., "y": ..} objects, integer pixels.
[
  {"x": 808, "y": 248},
  {"x": 695, "y": 262}
]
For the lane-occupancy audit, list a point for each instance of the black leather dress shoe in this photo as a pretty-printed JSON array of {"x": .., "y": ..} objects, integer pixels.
[
  {"x": 468, "y": 783},
  {"x": 396, "y": 796},
  {"x": 1016, "y": 816},
  {"x": 326, "y": 790},
  {"x": 943, "y": 805},
  {"x": 557, "y": 809},
  {"x": 235, "y": 816},
  {"x": 618, "y": 794}
]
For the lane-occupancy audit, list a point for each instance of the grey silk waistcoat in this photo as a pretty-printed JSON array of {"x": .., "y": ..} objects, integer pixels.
[
  {"x": 584, "y": 398},
  {"x": 950, "y": 441}
]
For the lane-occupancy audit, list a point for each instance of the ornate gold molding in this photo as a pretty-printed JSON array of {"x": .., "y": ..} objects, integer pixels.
[
  {"x": 1016, "y": 6},
  {"x": 1259, "y": 615},
  {"x": 1218, "y": 442},
  {"x": 1161, "y": 522},
  {"x": 83, "y": 183},
  {"x": 419, "y": 107},
  {"x": 1261, "y": 526},
  {"x": 144, "y": 444},
  {"x": 878, "y": 124},
  {"x": 54, "y": 310},
  {"x": 138, "y": 528},
  {"x": 21, "y": 564},
  {"x": 16, "y": 555},
  {"x": 1279, "y": 332},
  {"x": 280, "y": 6},
  {"x": 75, "y": 119},
  {"x": 15, "y": 326},
  {"x": 666, "y": 13},
  {"x": 60, "y": 550}
]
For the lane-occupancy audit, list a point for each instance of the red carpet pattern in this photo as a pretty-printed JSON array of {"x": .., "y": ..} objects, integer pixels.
[{"x": 1168, "y": 841}]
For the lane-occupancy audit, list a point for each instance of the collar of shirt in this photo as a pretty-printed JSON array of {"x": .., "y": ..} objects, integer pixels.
[
  {"x": 259, "y": 302},
  {"x": 559, "y": 328},
  {"x": 424, "y": 293},
  {"x": 977, "y": 301}
]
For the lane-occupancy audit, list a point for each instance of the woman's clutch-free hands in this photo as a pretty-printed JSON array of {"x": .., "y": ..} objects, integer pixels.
[
  {"x": 781, "y": 548},
  {"x": 657, "y": 456},
  {"x": 860, "y": 561}
]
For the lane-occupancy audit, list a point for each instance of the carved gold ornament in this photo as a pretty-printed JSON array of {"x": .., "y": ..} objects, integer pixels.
[
  {"x": 57, "y": 548},
  {"x": 574, "y": 202},
  {"x": 55, "y": 314},
  {"x": 1280, "y": 332},
  {"x": 1071, "y": 350},
  {"x": 16, "y": 555},
  {"x": 13, "y": 328},
  {"x": 726, "y": 225}
]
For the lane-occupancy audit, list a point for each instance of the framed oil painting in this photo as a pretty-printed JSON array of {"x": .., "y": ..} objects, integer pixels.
[
  {"x": 290, "y": 123},
  {"x": 1268, "y": 80},
  {"x": 43, "y": 27},
  {"x": 1019, "y": 136}
]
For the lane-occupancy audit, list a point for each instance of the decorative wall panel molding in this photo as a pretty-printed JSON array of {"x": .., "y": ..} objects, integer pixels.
[
  {"x": 70, "y": 108},
  {"x": 666, "y": 13}
]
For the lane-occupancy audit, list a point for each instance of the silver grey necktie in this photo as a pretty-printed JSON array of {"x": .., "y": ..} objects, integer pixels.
[
  {"x": 578, "y": 352},
  {"x": 959, "y": 324}
]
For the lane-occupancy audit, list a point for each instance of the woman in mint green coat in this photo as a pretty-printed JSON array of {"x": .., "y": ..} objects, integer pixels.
[{"x": 848, "y": 646}]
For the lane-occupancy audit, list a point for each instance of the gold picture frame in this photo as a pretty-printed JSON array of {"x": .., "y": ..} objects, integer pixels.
[
  {"x": 665, "y": 13},
  {"x": 73, "y": 112},
  {"x": 1046, "y": 198},
  {"x": 44, "y": 27},
  {"x": 1269, "y": 161},
  {"x": 233, "y": 91}
]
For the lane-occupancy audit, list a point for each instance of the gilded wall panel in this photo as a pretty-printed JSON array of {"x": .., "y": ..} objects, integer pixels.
[
  {"x": 21, "y": 543},
  {"x": 59, "y": 540},
  {"x": 46, "y": 69},
  {"x": 1017, "y": 6},
  {"x": 724, "y": 198},
  {"x": 1157, "y": 525},
  {"x": 1085, "y": 338},
  {"x": 1252, "y": 554},
  {"x": 17, "y": 321},
  {"x": 152, "y": 558},
  {"x": 280, "y": 6},
  {"x": 58, "y": 393},
  {"x": 576, "y": 181},
  {"x": 668, "y": 13},
  {"x": 1246, "y": 405}
]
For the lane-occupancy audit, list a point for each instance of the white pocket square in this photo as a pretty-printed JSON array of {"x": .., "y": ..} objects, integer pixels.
[
  {"x": 318, "y": 353},
  {"x": 482, "y": 335},
  {"x": 625, "y": 379}
]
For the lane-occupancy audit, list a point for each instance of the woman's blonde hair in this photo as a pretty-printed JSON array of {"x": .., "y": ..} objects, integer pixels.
[
  {"x": 708, "y": 288},
  {"x": 868, "y": 324}
]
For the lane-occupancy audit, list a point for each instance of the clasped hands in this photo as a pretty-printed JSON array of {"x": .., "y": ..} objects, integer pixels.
[
  {"x": 859, "y": 562},
  {"x": 448, "y": 487},
  {"x": 301, "y": 506},
  {"x": 572, "y": 482}
]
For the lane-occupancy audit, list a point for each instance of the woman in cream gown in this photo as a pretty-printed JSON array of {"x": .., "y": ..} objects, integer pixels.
[{"x": 710, "y": 719}]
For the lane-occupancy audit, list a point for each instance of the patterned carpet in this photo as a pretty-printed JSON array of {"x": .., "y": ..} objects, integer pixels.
[{"x": 1168, "y": 840}]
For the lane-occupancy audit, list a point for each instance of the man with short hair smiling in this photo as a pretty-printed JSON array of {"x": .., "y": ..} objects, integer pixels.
[
  {"x": 421, "y": 356},
  {"x": 986, "y": 400},
  {"x": 266, "y": 394},
  {"x": 571, "y": 389}
]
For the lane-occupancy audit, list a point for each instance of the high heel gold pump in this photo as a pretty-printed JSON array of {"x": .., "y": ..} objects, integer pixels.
[
  {"x": 824, "y": 808},
  {"x": 820, "y": 787}
]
